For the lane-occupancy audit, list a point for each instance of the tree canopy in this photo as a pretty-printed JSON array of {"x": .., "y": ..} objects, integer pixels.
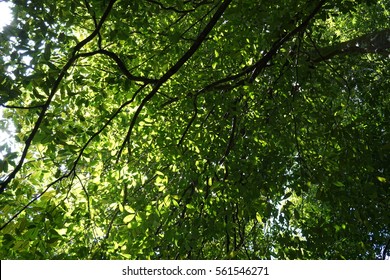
[{"x": 195, "y": 129}]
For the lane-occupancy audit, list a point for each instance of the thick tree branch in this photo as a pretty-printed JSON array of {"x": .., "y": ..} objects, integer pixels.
[{"x": 376, "y": 42}]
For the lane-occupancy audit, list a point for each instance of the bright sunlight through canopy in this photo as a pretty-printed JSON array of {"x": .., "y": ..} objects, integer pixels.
[{"x": 5, "y": 14}]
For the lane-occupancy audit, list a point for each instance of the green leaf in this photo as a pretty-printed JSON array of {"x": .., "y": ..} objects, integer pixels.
[
  {"x": 381, "y": 179},
  {"x": 128, "y": 218}
]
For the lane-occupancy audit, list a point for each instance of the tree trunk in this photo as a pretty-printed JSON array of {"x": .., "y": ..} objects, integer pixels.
[{"x": 376, "y": 42}]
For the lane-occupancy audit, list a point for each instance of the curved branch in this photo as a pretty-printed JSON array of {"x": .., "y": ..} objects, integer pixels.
[
  {"x": 53, "y": 91},
  {"x": 262, "y": 63},
  {"x": 73, "y": 169},
  {"x": 240, "y": 78},
  {"x": 121, "y": 65},
  {"x": 176, "y": 67},
  {"x": 34, "y": 199}
]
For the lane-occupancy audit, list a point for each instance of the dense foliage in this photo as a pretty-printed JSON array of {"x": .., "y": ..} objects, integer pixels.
[{"x": 202, "y": 129}]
